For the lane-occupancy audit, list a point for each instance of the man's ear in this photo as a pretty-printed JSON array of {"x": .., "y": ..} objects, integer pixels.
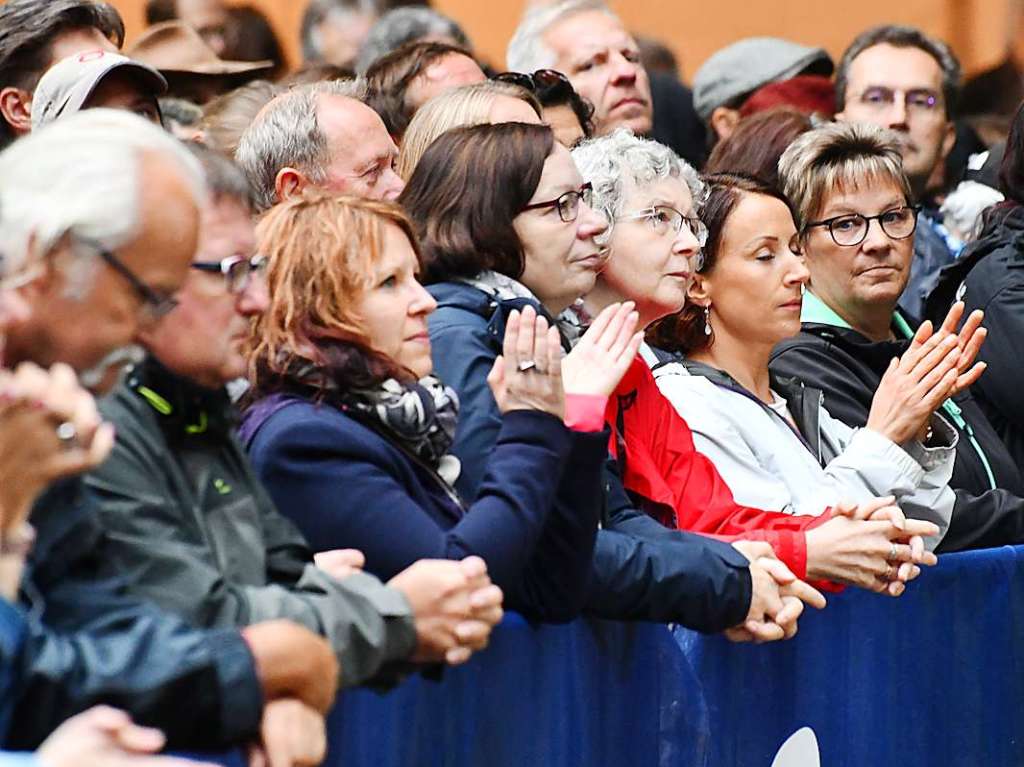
[
  {"x": 16, "y": 109},
  {"x": 698, "y": 292},
  {"x": 724, "y": 121},
  {"x": 288, "y": 183}
]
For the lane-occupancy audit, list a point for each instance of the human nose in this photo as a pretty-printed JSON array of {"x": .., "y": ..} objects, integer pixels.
[
  {"x": 393, "y": 185},
  {"x": 897, "y": 113},
  {"x": 254, "y": 299},
  {"x": 798, "y": 273},
  {"x": 686, "y": 242},
  {"x": 590, "y": 223},
  {"x": 875, "y": 238},
  {"x": 623, "y": 70},
  {"x": 422, "y": 302}
]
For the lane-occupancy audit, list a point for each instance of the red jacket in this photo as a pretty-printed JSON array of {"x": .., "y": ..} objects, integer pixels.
[{"x": 682, "y": 486}]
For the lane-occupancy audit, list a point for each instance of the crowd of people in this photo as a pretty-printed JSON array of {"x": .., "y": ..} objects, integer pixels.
[{"x": 308, "y": 376}]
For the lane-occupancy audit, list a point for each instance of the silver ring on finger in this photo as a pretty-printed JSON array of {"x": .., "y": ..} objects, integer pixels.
[
  {"x": 525, "y": 365},
  {"x": 893, "y": 552},
  {"x": 68, "y": 435}
]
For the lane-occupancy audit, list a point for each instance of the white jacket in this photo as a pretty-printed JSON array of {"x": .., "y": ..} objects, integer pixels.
[{"x": 770, "y": 465}]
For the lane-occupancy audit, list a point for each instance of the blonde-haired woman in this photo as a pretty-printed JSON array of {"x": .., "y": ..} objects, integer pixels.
[
  {"x": 488, "y": 102},
  {"x": 350, "y": 427}
]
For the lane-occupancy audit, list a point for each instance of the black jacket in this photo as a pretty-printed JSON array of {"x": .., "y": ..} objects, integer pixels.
[
  {"x": 641, "y": 569},
  {"x": 990, "y": 276},
  {"x": 88, "y": 643},
  {"x": 848, "y": 367}
]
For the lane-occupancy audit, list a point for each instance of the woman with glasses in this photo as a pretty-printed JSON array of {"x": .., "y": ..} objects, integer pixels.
[
  {"x": 351, "y": 430},
  {"x": 851, "y": 203},
  {"x": 503, "y": 217},
  {"x": 656, "y": 246}
]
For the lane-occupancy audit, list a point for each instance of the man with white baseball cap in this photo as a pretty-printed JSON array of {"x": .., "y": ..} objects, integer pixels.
[{"x": 97, "y": 79}]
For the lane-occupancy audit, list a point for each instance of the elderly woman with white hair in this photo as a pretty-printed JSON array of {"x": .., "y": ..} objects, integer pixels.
[{"x": 652, "y": 198}]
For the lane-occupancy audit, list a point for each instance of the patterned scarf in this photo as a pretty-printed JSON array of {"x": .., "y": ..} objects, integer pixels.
[{"x": 420, "y": 416}]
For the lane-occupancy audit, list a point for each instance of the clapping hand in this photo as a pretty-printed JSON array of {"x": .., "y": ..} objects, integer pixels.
[
  {"x": 604, "y": 353},
  {"x": 969, "y": 340},
  {"x": 527, "y": 375}
]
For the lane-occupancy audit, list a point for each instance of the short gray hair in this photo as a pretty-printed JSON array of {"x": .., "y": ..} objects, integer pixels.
[
  {"x": 607, "y": 161},
  {"x": 287, "y": 133},
  {"x": 320, "y": 11},
  {"x": 833, "y": 156},
  {"x": 902, "y": 37},
  {"x": 81, "y": 177},
  {"x": 526, "y": 50},
  {"x": 404, "y": 25}
]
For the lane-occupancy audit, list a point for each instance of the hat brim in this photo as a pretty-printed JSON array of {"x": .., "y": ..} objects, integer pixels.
[{"x": 220, "y": 68}]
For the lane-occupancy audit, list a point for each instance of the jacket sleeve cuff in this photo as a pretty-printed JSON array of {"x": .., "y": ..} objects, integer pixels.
[
  {"x": 241, "y": 698},
  {"x": 585, "y": 412},
  {"x": 887, "y": 452},
  {"x": 400, "y": 622},
  {"x": 941, "y": 448}
]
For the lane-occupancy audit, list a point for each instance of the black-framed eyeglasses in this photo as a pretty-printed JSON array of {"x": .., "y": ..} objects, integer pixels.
[
  {"x": 663, "y": 218},
  {"x": 542, "y": 80},
  {"x": 236, "y": 270},
  {"x": 568, "y": 204},
  {"x": 850, "y": 229},
  {"x": 155, "y": 304}
]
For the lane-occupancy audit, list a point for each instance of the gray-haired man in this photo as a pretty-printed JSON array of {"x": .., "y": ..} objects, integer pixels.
[
  {"x": 588, "y": 43},
  {"x": 323, "y": 136}
]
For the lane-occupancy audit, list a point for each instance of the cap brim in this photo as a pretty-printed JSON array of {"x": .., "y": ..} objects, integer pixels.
[{"x": 76, "y": 97}]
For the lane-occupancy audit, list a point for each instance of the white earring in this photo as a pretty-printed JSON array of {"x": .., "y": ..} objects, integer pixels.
[{"x": 707, "y": 320}]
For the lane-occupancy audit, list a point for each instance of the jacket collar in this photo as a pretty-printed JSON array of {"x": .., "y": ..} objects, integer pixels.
[
  {"x": 817, "y": 312},
  {"x": 803, "y": 401},
  {"x": 184, "y": 408},
  {"x": 495, "y": 310}
]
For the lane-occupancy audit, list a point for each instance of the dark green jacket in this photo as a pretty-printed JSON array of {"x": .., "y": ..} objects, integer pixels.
[{"x": 191, "y": 528}]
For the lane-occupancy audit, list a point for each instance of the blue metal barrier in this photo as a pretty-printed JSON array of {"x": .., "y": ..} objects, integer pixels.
[{"x": 933, "y": 678}]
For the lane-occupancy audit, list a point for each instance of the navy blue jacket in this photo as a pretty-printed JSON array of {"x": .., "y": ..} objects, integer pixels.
[
  {"x": 87, "y": 643},
  {"x": 12, "y": 638},
  {"x": 641, "y": 570},
  {"x": 348, "y": 486}
]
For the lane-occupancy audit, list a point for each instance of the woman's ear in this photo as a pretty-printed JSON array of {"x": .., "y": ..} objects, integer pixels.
[{"x": 699, "y": 291}]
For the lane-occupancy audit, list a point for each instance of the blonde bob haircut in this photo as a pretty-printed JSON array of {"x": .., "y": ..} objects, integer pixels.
[
  {"x": 836, "y": 157},
  {"x": 458, "y": 108},
  {"x": 322, "y": 250}
]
